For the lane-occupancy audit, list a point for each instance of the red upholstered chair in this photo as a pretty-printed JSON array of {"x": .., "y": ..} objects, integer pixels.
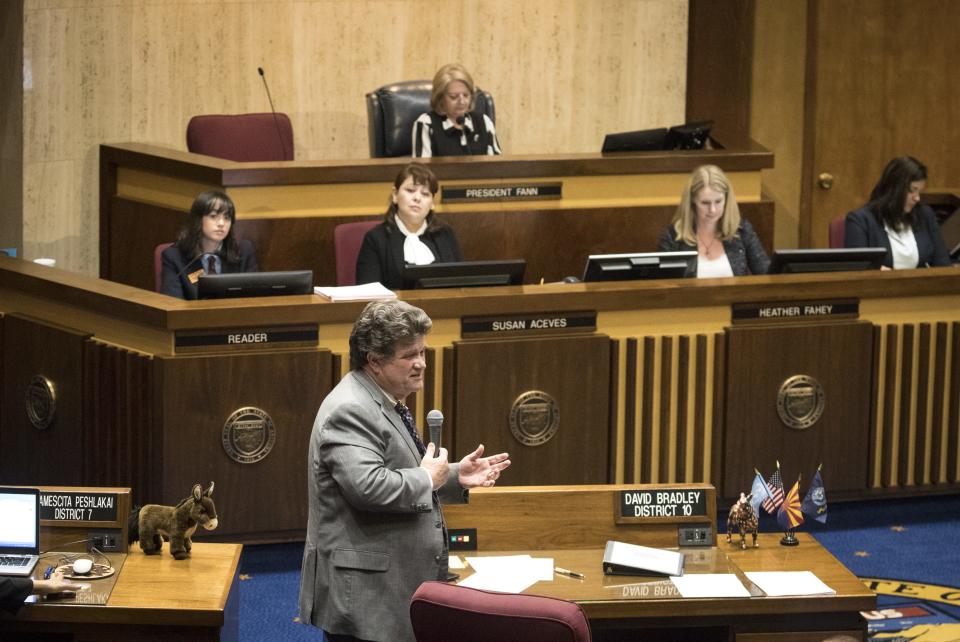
[
  {"x": 242, "y": 137},
  {"x": 158, "y": 264},
  {"x": 442, "y": 612},
  {"x": 836, "y": 231},
  {"x": 347, "y": 239}
]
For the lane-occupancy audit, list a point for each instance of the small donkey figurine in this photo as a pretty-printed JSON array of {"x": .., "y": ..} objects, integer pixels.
[
  {"x": 742, "y": 516},
  {"x": 176, "y": 523}
]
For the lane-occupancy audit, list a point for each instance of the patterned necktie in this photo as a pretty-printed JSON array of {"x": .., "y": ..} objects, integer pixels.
[
  {"x": 407, "y": 419},
  {"x": 211, "y": 265}
]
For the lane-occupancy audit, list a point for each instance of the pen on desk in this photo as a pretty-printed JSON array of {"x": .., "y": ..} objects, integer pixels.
[
  {"x": 563, "y": 571},
  {"x": 48, "y": 572}
]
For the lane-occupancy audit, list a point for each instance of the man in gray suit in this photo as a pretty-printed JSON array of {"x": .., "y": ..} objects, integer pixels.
[{"x": 375, "y": 529}]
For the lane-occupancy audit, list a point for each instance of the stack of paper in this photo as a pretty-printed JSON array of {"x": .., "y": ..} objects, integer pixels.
[
  {"x": 779, "y": 583},
  {"x": 365, "y": 292},
  {"x": 508, "y": 573},
  {"x": 620, "y": 558}
]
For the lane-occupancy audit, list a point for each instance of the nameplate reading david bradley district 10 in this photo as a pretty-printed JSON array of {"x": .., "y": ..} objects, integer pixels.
[
  {"x": 530, "y": 323},
  {"x": 63, "y": 506},
  {"x": 660, "y": 504},
  {"x": 511, "y": 192},
  {"x": 775, "y": 312}
]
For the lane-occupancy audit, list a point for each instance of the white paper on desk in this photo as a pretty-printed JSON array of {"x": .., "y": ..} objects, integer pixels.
[
  {"x": 454, "y": 561},
  {"x": 366, "y": 292},
  {"x": 540, "y": 568},
  {"x": 503, "y": 582},
  {"x": 779, "y": 583},
  {"x": 710, "y": 585}
]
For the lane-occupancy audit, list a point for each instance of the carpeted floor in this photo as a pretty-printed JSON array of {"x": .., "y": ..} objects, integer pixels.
[{"x": 904, "y": 547}]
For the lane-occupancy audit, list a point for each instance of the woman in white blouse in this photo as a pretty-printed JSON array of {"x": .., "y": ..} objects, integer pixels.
[{"x": 410, "y": 234}]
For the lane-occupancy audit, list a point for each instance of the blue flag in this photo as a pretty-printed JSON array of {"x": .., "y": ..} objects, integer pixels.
[
  {"x": 815, "y": 503},
  {"x": 758, "y": 492}
]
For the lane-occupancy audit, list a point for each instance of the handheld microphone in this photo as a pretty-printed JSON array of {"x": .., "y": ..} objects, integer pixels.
[
  {"x": 276, "y": 121},
  {"x": 435, "y": 421}
]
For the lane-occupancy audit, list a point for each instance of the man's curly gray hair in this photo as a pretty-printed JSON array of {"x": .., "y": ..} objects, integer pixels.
[{"x": 381, "y": 326}]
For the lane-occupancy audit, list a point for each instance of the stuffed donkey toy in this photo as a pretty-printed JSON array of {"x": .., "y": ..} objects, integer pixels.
[{"x": 176, "y": 523}]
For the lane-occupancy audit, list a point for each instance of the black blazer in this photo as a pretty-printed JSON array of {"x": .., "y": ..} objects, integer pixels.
[
  {"x": 744, "y": 251},
  {"x": 862, "y": 229},
  {"x": 175, "y": 269},
  {"x": 13, "y": 591},
  {"x": 381, "y": 254}
]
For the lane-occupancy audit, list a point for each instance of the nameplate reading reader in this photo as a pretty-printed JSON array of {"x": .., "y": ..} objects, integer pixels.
[{"x": 661, "y": 504}]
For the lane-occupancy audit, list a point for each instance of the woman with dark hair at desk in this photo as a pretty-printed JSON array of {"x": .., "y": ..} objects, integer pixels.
[
  {"x": 206, "y": 245},
  {"x": 897, "y": 220},
  {"x": 708, "y": 221},
  {"x": 14, "y": 590},
  {"x": 453, "y": 127},
  {"x": 411, "y": 234}
]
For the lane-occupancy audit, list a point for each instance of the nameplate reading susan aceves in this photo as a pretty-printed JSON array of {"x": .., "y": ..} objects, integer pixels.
[
  {"x": 501, "y": 192},
  {"x": 530, "y": 323}
]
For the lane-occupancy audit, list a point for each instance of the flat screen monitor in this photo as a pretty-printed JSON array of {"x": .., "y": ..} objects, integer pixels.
[
  {"x": 227, "y": 286},
  {"x": 691, "y": 135},
  {"x": 643, "y": 140},
  {"x": 639, "y": 265},
  {"x": 826, "y": 260},
  {"x": 464, "y": 274}
]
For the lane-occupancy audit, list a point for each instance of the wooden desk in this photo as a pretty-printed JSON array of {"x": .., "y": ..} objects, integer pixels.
[
  {"x": 154, "y": 598},
  {"x": 610, "y": 203},
  {"x": 665, "y": 388},
  {"x": 622, "y": 607}
]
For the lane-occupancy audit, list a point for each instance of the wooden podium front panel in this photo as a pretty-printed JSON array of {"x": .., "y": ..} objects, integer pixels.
[
  {"x": 32, "y": 348},
  {"x": 266, "y": 498},
  {"x": 573, "y": 370},
  {"x": 759, "y": 360}
]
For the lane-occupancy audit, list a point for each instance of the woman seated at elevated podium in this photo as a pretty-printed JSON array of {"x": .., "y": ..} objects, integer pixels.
[
  {"x": 453, "y": 127},
  {"x": 410, "y": 232},
  {"x": 206, "y": 245},
  {"x": 897, "y": 220},
  {"x": 708, "y": 220}
]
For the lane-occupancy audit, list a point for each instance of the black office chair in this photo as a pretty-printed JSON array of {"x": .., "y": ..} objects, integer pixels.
[{"x": 392, "y": 109}]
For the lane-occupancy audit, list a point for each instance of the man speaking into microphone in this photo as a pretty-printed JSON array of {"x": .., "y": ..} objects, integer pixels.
[{"x": 375, "y": 529}]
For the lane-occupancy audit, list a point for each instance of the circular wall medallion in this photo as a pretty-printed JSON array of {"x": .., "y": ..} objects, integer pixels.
[
  {"x": 534, "y": 418},
  {"x": 41, "y": 401},
  {"x": 248, "y": 435},
  {"x": 800, "y": 402}
]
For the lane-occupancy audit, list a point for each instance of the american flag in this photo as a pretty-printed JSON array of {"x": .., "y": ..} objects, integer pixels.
[{"x": 775, "y": 486}]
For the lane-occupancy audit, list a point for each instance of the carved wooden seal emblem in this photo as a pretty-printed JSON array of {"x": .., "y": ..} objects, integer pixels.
[
  {"x": 800, "y": 402},
  {"x": 41, "y": 402},
  {"x": 534, "y": 418},
  {"x": 248, "y": 435}
]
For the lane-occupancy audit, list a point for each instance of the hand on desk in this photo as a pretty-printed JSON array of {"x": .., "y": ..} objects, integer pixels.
[{"x": 56, "y": 584}]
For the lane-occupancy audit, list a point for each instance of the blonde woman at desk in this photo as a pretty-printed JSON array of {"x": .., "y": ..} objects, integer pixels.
[{"x": 708, "y": 220}]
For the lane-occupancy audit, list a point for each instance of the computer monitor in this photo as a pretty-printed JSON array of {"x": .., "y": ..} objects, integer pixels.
[
  {"x": 643, "y": 140},
  {"x": 225, "y": 286},
  {"x": 826, "y": 260},
  {"x": 464, "y": 274},
  {"x": 639, "y": 265},
  {"x": 691, "y": 135}
]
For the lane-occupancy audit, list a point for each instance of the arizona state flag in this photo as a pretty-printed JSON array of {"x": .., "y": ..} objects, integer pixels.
[{"x": 790, "y": 516}]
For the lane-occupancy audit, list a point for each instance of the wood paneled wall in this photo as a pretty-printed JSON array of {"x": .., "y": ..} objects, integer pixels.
[{"x": 562, "y": 75}]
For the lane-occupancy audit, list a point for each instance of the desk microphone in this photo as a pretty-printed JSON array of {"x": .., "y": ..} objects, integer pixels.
[
  {"x": 435, "y": 421},
  {"x": 276, "y": 121}
]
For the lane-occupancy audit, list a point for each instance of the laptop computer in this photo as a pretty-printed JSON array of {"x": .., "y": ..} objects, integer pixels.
[{"x": 19, "y": 530}]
